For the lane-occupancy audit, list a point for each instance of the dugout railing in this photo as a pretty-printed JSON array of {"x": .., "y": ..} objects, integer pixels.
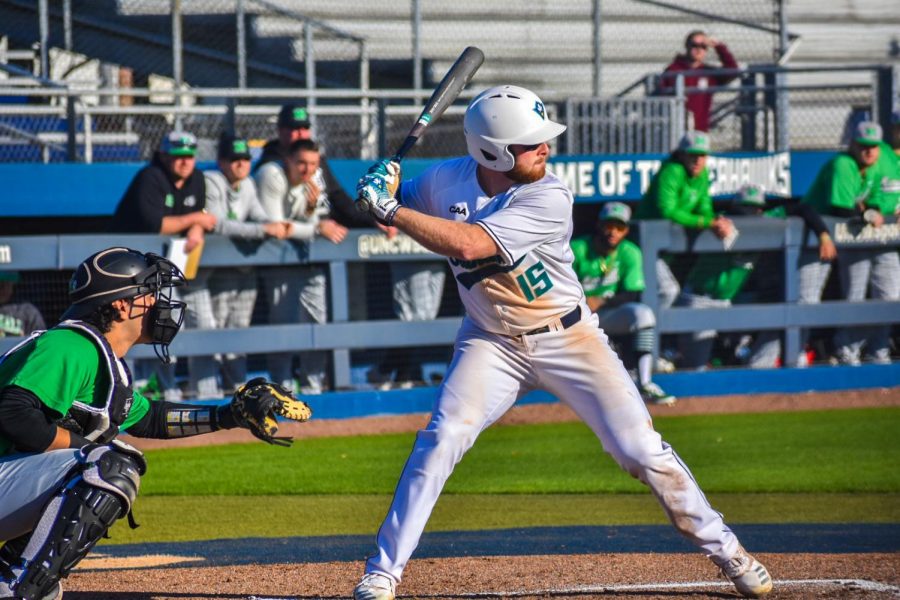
[
  {"x": 341, "y": 335},
  {"x": 785, "y": 235}
]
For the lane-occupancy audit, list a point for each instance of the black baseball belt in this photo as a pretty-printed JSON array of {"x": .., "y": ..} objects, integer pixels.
[{"x": 567, "y": 320}]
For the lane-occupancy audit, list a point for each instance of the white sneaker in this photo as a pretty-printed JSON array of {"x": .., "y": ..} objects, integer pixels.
[
  {"x": 748, "y": 575},
  {"x": 375, "y": 586},
  {"x": 653, "y": 394}
]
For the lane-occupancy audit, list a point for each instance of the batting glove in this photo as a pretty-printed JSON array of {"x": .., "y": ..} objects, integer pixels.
[{"x": 378, "y": 188}]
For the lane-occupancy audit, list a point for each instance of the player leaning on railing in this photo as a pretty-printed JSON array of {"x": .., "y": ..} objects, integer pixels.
[{"x": 64, "y": 396}]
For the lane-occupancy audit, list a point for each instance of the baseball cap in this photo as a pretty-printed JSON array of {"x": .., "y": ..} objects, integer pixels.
[
  {"x": 615, "y": 211},
  {"x": 293, "y": 117},
  {"x": 179, "y": 143},
  {"x": 12, "y": 276},
  {"x": 751, "y": 193},
  {"x": 233, "y": 148},
  {"x": 868, "y": 133},
  {"x": 694, "y": 142}
]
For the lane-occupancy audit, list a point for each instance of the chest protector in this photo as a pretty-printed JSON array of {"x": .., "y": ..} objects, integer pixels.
[{"x": 98, "y": 423}]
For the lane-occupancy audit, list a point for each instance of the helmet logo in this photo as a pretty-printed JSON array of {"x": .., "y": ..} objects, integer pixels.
[{"x": 539, "y": 109}]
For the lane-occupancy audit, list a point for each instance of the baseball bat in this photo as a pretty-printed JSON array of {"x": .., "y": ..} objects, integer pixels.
[{"x": 443, "y": 96}]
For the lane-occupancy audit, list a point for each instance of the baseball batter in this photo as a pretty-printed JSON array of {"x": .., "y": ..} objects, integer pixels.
[{"x": 504, "y": 224}]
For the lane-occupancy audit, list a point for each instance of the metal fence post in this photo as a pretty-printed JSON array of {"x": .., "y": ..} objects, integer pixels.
[
  {"x": 310, "y": 63},
  {"x": 748, "y": 112},
  {"x": 369, "y": 140},
  {"x": 782, "y": 114},
  {"x": 382, "y": 127},
  {"x": 71, "y": 129},
  {"x": 680, "y": 118},
  {"x": 177, "y": 64},
  {"x": 340, "y": 313},
  {"x": 67, "y": 24},
  {"x": 597, "y": 50},
  {"x": 886, "y": 89},
  {"x": 241, "y": 17},
  {"x": 793, "y": 241},
  {"x": 416, "y": 46},
  {"x": 44, "y": 26}
]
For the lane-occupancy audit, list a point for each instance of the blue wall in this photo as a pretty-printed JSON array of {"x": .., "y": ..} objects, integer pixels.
[{"x": 78, "y": 190}]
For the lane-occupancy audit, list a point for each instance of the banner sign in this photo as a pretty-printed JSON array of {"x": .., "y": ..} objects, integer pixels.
[
  {"x": 627, "y": 177},
  {"x": 75, "y": 190}
]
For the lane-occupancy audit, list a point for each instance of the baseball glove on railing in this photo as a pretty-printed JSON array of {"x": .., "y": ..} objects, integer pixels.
[{"x": 256, "y": 404}]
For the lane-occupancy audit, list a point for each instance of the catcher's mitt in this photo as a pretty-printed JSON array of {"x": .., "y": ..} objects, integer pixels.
[{"x": 256, "y": 404}]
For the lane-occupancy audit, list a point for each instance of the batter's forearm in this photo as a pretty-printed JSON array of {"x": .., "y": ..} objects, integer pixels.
[{"x": 447, "y": 238}]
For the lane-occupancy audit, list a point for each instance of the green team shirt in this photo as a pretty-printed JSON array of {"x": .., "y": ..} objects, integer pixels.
[
  {"x": 888, "y": 167},
  {"x": 723, "y": 276},
  {"x": 620, "y": 271},
  {"x": 675, "y": 196},
  {"x": 840, "y": 184},
  {"x": 62, "y": 367}
]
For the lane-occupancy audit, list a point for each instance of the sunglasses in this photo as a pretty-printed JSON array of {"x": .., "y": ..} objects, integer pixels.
[
  {"x": 703, "y": 46},
  {"x": 523, "y": 148}
]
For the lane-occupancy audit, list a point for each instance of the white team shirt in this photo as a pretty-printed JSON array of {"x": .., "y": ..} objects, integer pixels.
[{"x": 531, "y": 282}]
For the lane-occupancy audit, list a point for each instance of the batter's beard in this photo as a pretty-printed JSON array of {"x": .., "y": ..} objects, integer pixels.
[{"x": 526, "y": 174}]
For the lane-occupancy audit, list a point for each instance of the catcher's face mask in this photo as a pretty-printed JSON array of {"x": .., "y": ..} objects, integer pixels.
[{"x": 167, "y": 314}]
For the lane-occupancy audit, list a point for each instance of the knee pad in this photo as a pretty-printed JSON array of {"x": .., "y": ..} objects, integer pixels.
[{"x": 76, "y": 518}]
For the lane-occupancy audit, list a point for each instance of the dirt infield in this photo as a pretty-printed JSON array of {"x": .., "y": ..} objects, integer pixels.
[{"x": 625, "y": 576}]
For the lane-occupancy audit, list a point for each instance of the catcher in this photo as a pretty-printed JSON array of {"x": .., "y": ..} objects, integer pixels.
[{"x": 66, "y": 393}]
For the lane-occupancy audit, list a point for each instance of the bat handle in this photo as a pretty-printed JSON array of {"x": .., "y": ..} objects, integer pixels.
[{"x": 362, "y": 205}]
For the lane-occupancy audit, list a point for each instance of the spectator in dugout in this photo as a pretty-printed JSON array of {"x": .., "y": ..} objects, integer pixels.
[
  {"x": 167, "y": 197},
  {"x": 698, "y": 103},
  {"x": 294, "y": 124},
  {"x": 16, "y": 318},
  {"x": 224, "y": 298},
  {"x": 679, "y": 192},
  {"x": 611, "y": 271},
  {"x": 289, "y": 191},
  {"x": 851, "y": 186},
  {"x": 720, "y": 280}
]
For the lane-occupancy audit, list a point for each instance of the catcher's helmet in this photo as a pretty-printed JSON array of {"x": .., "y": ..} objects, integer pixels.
[
  {"x": 117, "y": 273},
  {"x": 504, "y": 115}
]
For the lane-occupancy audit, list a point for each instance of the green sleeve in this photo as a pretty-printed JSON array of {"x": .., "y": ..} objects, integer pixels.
[
  {"x": 140, "y": 406},
  {"x": 61, "y": 368},
  {"x": 673, "y": 183},
  {"x": 704, "y": 200},
  {"x": 631, "y": 268}
]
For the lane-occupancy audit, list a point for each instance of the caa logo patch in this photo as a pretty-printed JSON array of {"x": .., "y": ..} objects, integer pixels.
[
  {"x": 459, "y": 209},
  {"x": 539, "y": 109}
]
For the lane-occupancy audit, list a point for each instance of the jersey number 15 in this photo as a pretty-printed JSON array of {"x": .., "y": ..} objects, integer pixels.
[{"x": 534, "y": 282}]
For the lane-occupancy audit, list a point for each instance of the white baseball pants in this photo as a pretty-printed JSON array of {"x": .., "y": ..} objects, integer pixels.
[{"x": 488, "y": 373}]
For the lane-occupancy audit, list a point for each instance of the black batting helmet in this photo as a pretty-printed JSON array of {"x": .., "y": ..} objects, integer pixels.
[{"x": 117, "y": 273}]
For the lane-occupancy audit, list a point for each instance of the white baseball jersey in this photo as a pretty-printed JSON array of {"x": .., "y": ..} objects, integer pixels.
[
  {"x": 496, "y": 361},
  {"x": 531, "y": 282}
]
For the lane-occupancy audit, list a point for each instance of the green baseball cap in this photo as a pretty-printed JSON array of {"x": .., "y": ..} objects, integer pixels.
[
  {"x": 12, "y": 276},
  {"x": 868, "y": 133},
  {"x": 751, "y": 193},
  {"x": 615, "y": 211},
  {"x": 293, "y": 117},
  {"x": 695, "y": 142},
  {"x": 179, "y": 143},
  {"x": 233, "y": 148}
]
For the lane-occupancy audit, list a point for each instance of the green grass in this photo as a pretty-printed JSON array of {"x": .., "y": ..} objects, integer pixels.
[
  {"x": 805, "y": 467},
  {"x": 185, "y": 518},
  {"x": 809, "y": 452}
]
